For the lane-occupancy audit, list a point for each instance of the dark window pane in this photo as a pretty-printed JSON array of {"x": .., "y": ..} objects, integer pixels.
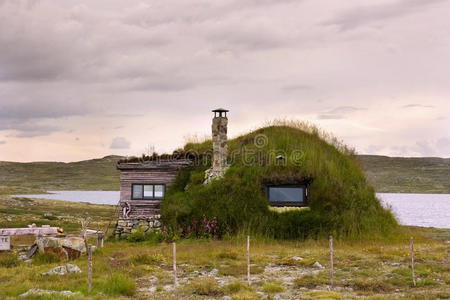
[
  {"x": 286, "y": 194},
  {"x": 137, "y": 191}
]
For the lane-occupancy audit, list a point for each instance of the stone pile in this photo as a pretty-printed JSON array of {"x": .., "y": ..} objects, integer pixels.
[{"x": 127, "y": 226}]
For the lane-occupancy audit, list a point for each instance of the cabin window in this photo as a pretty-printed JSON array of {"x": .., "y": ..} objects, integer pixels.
[
  {"x": 147, "y": 191},
  {"x": 283, "y": 195},
  {"x": 159, "y": 191}
]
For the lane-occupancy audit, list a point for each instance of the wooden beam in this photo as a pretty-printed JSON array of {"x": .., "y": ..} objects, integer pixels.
[{"x": 30, "y": 231}]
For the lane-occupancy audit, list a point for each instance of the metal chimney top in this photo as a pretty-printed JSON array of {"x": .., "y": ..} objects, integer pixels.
[{"x": 220, "y": 111}]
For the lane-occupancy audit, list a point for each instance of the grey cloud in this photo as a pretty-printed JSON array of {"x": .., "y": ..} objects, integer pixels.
[
  {"x": 247, "y": 39},
  {"x": 344, "y": 109},
  {"x": 443, "y": 145},
  {"x": 29, "y": 118},
  {"x": 330, "y": 117},
  {"x": 374, "y": 149},
  {"x": 33, "y": 109},
  {"x": 27, "y": 129},
  {"x": 188, "y": 13},
  {"x": 417, "y": 105},
  {"x": 339, "y": 112},
  {"x": 2, "y": 142},
  {"x": 120, "y": 143},
  {"x": 162, "y": 85},
  {"x": 364, "y": 15},
  {"x": 296, "y": 87},
  {"x": 424, "y": 148}
]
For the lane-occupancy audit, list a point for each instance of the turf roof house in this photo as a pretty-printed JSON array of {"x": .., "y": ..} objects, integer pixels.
[{"x": 143, "y": 185}]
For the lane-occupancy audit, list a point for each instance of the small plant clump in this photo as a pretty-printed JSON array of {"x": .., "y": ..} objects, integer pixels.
[
  {"x": 45, "y": 258},
  {"x": 147, "y": 259},
  {"x": 205, "y": 287},
  {"x": 236, "y": 287},
  {"x": 272, "y": 287},
  {"x": 10, "y": 261},
  {"x": 228, "y": 255},
  {"x": 119, "y": 284},
  {"x": 140, "y": 235}
]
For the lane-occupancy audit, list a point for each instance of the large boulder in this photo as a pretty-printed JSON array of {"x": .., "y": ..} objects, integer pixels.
[
  {"x": 75, "y": 243},
  {"x": 66, "y": 248}
]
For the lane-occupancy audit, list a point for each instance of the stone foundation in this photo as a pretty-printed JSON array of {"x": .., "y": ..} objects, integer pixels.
[{"x": 127, "y": 226}]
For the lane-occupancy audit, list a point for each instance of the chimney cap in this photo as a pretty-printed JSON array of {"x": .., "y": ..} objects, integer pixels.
[{"x": 220, "y": 110}]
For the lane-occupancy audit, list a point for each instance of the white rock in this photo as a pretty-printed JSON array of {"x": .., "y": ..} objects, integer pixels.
[
  {"x": 297, "y": 258},
  {"x": 318, "y": 265},
  {"x": 39, "y": 292},
  {"x": 63, "y": 270},
  {"x": 168, "y": 287},
  {"x": 213, "y": 272}
]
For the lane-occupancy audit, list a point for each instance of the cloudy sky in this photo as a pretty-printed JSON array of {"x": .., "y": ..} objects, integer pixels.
[{"x": 83, "y": 79}]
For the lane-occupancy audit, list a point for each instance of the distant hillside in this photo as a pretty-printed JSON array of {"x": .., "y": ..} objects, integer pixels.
[
  {"x": 387, "y": 174},
  {"x": 94, "y": 174},
  {"x": 407, "y": 174}
]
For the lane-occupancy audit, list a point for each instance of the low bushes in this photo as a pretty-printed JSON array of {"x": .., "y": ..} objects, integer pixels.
[{"x": 151, "y": 237}]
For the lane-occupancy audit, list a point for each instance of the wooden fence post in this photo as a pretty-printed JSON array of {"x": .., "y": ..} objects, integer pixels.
[
  {"x": 89, "y": 252},
  {"x": 174, "y": 255},
  {"x": 331, "y": 262},
  {"x": 411, "y": 246},
  {"x": 248, "y": 259},
  {"x": 100, "y": 239}
]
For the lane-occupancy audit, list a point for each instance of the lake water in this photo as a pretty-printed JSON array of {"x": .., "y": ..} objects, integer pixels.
[{"x": 426, "y": 210}]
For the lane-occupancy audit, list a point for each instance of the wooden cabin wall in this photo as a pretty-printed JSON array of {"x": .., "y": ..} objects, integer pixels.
[
  {"x": 141, "y": 208},
  {"x": 127, "y": 178}
]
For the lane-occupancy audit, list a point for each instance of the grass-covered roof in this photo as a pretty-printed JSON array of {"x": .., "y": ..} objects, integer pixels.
[{"x": 341, "y": 200}]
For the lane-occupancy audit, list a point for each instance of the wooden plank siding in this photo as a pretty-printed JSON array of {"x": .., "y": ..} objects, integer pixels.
[{"x": 163, "y": 173}]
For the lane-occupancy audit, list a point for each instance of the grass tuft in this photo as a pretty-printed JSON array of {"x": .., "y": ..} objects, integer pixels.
[
  {"x": 272, "y": 287},
  {"x": 119, "y": 284},
  {"x": 205, "y": 287},
  {"x": 147, "y": 259},
  {"x": 235, "y": 287},
  {"x": 10, "y": 261},
  {"x": 45, "y": 258}
]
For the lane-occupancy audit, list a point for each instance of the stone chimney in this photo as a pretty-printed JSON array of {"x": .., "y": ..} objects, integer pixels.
[{"x": 219, "y": 139}]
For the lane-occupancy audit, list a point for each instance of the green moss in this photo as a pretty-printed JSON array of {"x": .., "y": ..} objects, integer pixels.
[{"x": 342, "y": 202}]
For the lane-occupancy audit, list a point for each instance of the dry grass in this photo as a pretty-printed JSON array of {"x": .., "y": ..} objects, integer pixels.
[{"x": 373, "y": 269}]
